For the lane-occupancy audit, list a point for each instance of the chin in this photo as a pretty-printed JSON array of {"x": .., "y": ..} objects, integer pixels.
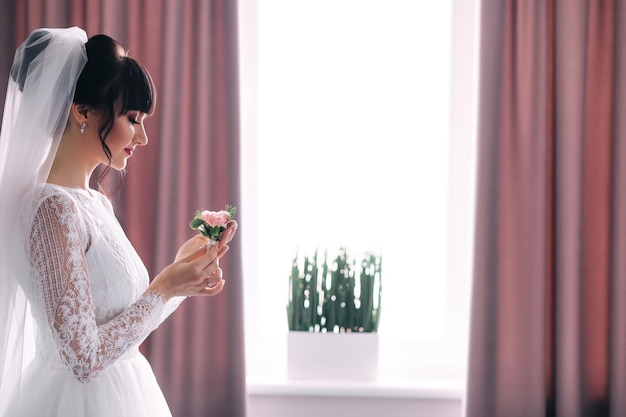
[{"x": 119, "y": 166}]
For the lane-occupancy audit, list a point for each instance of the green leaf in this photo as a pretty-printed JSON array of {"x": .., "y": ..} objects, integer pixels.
[
  {"x": 203, "y": 229},
  {"x": 231, "y": 210},
  {"x": 196, "y": 223}
]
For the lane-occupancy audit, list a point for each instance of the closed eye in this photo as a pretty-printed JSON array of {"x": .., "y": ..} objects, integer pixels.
[{"x": 133, "y": 120}]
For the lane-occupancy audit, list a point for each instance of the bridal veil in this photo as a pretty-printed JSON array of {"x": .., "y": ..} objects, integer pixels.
[{"x": 39, "y": 95}]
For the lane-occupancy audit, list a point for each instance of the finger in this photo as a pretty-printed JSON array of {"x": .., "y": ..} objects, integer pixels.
[
  {"x": 222, "y": 251},
  {"x": 214, "y": 278},
  {"x": 228, "y": 234},
  {"x": 219, "y": 273},
  {"x": 211, "y": 291},
  {"x": 233, "y": 228},
  {"x": 224, "y": 238},
  {"x": 203, "y": 265},
  {"x": 199, "y": 238},
  {"x": 207, "y": 270},
  {"x": 196, "y": 254}
]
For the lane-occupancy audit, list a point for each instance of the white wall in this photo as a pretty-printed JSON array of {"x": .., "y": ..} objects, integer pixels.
[
  {"x": 352, "y": 398},
  {"x": 262, "y": 405}
]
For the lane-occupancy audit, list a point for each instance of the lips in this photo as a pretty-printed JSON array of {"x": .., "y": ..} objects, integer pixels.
[{"x": 128, "y": 151}]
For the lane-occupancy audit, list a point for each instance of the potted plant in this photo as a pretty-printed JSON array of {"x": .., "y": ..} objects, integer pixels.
[{"x": 333, "y": 312}]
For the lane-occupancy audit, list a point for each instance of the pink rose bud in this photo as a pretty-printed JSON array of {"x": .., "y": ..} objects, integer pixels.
[{"x": 215, "y": 218}]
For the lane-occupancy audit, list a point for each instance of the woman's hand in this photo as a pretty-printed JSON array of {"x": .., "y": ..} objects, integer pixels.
[
  {"x": 198, "y": 240},
  {"x": 198, "y": 273},
  {"x": 196, "y": 268},
  {"x": 190, "y": 246}
]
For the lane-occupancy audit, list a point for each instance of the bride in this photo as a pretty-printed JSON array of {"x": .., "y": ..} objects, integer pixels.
[{"x": 75, "y": 299}]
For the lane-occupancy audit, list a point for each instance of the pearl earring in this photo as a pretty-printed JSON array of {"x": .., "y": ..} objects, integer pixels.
[{"x": 82, "y": 128}]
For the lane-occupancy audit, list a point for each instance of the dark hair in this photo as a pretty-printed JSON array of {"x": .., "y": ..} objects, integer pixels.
[{"x": 113, "y": 83}]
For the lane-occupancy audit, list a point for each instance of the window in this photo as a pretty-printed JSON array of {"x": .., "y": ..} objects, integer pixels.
[{"x": 358, "y": 130}]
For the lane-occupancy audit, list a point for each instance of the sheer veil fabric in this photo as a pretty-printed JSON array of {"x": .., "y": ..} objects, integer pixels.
[{"x": 39, "y": 94}]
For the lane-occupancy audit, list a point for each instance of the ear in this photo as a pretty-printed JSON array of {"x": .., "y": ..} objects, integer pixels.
[{"x": 80, "y": 113}]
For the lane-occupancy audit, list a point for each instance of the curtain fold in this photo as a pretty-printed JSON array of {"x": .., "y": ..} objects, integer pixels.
[
  {"x": 198, "y": 353},
  {"x": 191, "y": 162},
  {"x": 548, "y": 315},
  {"x": 7, "y": 45}
]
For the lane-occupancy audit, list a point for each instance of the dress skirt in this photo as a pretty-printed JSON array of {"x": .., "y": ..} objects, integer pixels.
[{"x": 127, "y": 388}]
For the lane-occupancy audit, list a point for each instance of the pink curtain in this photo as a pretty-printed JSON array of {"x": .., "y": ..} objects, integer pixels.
[
  {"x": 548, "y": 321},
  {"x": 191, "y": 163}
]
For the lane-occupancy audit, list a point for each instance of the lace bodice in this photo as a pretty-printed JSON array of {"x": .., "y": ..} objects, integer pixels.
[{"x": 87, "y": 286}]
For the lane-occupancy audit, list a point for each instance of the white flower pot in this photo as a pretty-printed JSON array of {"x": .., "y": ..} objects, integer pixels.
[{"x": 348, "y": 356}]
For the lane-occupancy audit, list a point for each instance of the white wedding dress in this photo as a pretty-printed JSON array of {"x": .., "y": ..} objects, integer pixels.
[{"x": 87, "y": 298}]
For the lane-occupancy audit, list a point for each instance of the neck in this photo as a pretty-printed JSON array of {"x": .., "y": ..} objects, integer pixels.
[{"x": 72, "y": 166}]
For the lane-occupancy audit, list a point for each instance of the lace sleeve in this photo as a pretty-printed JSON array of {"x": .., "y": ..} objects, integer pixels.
[{"x": 58, "y": 244}]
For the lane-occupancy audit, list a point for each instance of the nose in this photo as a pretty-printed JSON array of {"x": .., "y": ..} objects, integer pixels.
[{"x": 141, "y": 136}]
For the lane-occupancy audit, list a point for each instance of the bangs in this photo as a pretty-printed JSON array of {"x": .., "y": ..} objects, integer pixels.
[{"x": 140, "y": 93}]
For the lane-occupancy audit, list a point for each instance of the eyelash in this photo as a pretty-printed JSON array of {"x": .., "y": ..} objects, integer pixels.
[{"x": 133, "y": 120}]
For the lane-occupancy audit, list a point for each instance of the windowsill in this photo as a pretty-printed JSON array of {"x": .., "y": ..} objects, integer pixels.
[{"x": 413, "y": 389}]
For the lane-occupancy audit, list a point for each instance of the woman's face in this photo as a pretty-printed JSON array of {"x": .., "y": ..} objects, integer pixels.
[{"x": 127, "y": 133}]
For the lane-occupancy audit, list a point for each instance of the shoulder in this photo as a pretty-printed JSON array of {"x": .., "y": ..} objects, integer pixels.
[
  {"x": 62, "y": 202},
  {"x": 53, "y": 204},
  {"x": 58, "y": 218},
  {"x": 47, "y": 191},
  {"x": 51, "y": 195}
]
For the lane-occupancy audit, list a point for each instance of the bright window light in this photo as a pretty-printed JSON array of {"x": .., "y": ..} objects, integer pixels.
[{"x": 346, "y": 142}]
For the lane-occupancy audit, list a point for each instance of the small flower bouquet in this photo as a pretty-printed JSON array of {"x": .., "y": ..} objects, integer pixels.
[{"x": 212, "y": 223}]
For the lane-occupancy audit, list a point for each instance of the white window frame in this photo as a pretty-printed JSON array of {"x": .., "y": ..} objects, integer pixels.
[{"x": 440, "y": 359}]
